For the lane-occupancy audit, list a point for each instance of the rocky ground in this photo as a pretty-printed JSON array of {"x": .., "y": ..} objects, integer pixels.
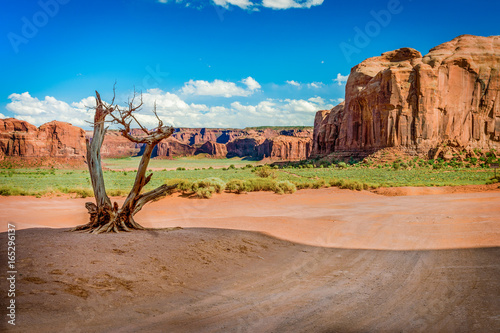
[{"x": 324, "y": 260}]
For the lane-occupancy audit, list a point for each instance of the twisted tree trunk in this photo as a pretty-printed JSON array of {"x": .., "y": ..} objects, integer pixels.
[{"x": 105, "y": 216}]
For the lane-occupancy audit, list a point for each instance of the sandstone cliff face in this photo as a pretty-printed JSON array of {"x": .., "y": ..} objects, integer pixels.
[
  {"x": 402, "y": 99},
  {"x": 171, "y": 147},
  {"x": 246, "y": 146},
  {"x": 216, "y": 142},
  {"x": 217, "y": 150},
  {"x": 62, "y": 140},
  {"x": 55, "y": 139},
  {"x": 285, "y": 148}
]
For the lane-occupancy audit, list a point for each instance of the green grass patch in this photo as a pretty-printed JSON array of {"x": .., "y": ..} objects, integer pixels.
[{"x": 243, "y": 176}]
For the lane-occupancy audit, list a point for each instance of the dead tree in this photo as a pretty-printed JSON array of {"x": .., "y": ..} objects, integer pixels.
[{"x": 105, "y": 216}]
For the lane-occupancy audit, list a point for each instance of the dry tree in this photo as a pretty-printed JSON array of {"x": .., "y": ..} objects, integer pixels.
[{"x": 105, "y": 216}]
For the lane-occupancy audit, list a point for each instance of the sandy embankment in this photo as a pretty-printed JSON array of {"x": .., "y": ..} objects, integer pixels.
[{"x": 330, "y": 261}]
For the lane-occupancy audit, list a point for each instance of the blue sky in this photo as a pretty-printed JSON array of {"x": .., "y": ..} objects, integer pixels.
[{"x": 220, "y": 63}]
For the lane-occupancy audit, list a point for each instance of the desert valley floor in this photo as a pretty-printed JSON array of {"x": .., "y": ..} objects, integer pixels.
[{"x": 328, "y": 260}]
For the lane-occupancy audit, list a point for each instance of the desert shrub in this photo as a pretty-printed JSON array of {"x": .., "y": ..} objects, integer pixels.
[
  {"x": 342, "y": 165},
  {"x": 217, "y": 184},
  {"x": 265, "y": 172},
  {"x": 260, "y": 184},
  {"x": 492, "y": 181},
  {"x": 204, "y": 192},
  {"x": 80, "y": 192},
  {"x": 319, "y": 183},
  {"x": 437, "y": 166},
  {"x": 350, "y": 184},
  {"x": 236, "y": 185},
  {"x": 285, "y": 186},
  {"x": 183, "y": 185},
  {"x": 116, "y": 193},
  {"x": 232, "y": 166},
  {"x": 396, "y": 165},
  {"x": 8, "y": 191}
]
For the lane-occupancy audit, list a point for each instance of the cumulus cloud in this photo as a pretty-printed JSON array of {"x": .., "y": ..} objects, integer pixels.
[
  {"x": 341, "y": 79},
  {"x": 220, "y": 88},
  {"x": 287, "y": 4},
  {"x": 317, "y": 99},
  {"x": 251, "y": 83},
  {"x": 175, "y": 111},
  {"x": 250, "y": 4},
  {"x": 2, "y": 116},
  {"x": 315, "y": 85},
  {"x": 293, "y": 83},
  {"x": 244, "y": 4},
  {"x": 38, "y": 112}
]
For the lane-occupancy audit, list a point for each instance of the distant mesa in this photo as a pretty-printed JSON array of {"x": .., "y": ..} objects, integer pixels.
[
  {"x": 63, "y": 143},
  {"x": 444, "y": 102},
  {"x": 57, "y": 141},
  {"x": 257, "y": 143}
]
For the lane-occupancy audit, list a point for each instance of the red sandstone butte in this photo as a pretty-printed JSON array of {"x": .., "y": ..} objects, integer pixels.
[
  {"x": 401, "y": 99},
  {"x": 56, "y": 139}
]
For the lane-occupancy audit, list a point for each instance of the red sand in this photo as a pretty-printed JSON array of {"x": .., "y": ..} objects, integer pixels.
[
  {"x": 326, "y": 217},
  {"x": 420, "y": 263}
]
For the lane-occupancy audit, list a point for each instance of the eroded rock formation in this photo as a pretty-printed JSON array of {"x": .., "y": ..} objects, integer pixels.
[
  {"x": 285, "y": 148},
  {"x": 56, "y": 139},
  {"x": 217, "y": 150},
  {"x": 171, "y": 147},
  {"x": 401, "y": 99}
]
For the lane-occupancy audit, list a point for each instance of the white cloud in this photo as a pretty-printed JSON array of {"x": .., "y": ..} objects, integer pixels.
[
  {"x": 286, "y": 4},
  {"x": 337, "y": 100},
  {"x": 39, "y": 112},
  {"x": 243, "y": 4},
  {"x": 317, "y": 99},
  {"x": 341, "y": 79},
  {"x": 315, "y": 85},
  {"x": 2, "y": 116},
  {"x": 220, "y": 88},
  {"x": 251, "y": 83},
  {"x": 251, "y": 4},
  {"x": 293, "y": 83},
  {"x": 173, "y": 110}
]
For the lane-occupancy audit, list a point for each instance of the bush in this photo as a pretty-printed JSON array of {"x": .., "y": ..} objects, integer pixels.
[
  {"x": 183, "y": 185},
  {"x": 236, "y": 185},
  {"x": 285, "y": 186},
  {"x": 260, "y": 184},
  {"x": 216, "y": 183},
  {"x": 342, "y": 165},
  {"x": 116, "y": 193},
  {"x": 437, "y": 166},
  {"x": 204, "y": 192},
  {"x": 265, "y": 172},
  {"x": 492, "y": 181},
  {"x": 319, "y": 183}
]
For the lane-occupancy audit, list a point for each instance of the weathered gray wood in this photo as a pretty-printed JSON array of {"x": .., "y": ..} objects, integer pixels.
[{"x": 105, "y": 217}]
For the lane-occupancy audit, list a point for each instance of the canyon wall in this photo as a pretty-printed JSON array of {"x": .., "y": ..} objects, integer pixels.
[
  {"x": 62, "y": 140},
  {"x": 451, "y": 96},
  {"x": 56, "y": 139},
  {"x": 219, "y": 143}
]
